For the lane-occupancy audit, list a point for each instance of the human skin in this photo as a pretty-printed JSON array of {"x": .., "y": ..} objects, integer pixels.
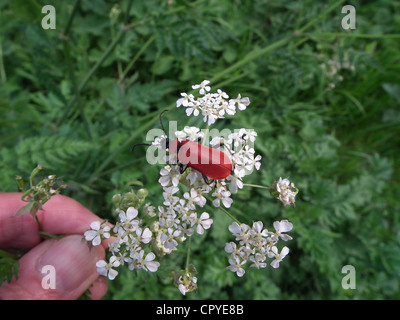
[{"x": 73, "y": 261}]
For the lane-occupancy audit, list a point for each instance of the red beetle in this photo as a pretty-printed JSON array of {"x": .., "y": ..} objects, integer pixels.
[{"x": 211, "y": 163}]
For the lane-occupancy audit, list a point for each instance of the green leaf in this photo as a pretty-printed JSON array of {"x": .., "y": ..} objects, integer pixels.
[
  {"x": 25, "y": 209},
  {"x": 9, "y": 266},
  {"x": 393, "y": 90},
  {"x": 163, "y": 65},
  {"x": 135, "y": 183}
]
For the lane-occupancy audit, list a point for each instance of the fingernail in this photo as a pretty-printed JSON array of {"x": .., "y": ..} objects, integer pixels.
[{"x": 72, "y": 260}]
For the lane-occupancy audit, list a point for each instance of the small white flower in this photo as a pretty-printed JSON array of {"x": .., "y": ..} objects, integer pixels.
[
  {"x": 169, "y": 239},
  {"x": 254, "y": 162},
  {"x": 210, "y": 115},
  {"x": 193, "y": 133},
  {"x": 258, "y": 261},
  {"x": 220, "y": 143},
  {"x": 283, "y": 226},
  {"x": 250, "y": 135},
  {"x": 149, "y": 210},
  {"x": 284, "y": 191},
  {"x": 98, "y": 232},
  {"x": 278, "y": 256},
  {"x": 186, "y": 100},
  {"x": 183, "y": 289},
  {"x": 131, "y": 213},
  {"x": 186, "y": 229},
  {"x": 221, "y": 94},
  {"x": 227, "y": 108},
  {"x": 194, "y": 176},
  {"x": 200, "y": 200},
  {"x": 258, "y": 231},
  {"x": 191, "y": 198},
  {"x": 114, "y": 246},
  {"x": 169, "y": 176},
  {"x": 235, "y": 183},
  {"x": 145, "y": 236},
  {"x": 169, "y": 197},
  {"x": 239, "y": 231},
  {"x": 237, "y": 138},
  {"x": 188, "y": 284},
  {"x": 203, "y": 86},
  {"x": 127, "y": 222},
  {"x": 194, "y": 109},
  {"x": 236, "y": 266},
  {"x": 203, "y": 223},
  {"x": 242, "y": 103},
  {"x": 160, "y": 142},
  {"x": 180, "y": 135},
  {"x": 105, "y": 269},
  {"x": 222, "y": 196},
  {"x": 232, "y": 248},
  {"x": 146, "y": 262}
]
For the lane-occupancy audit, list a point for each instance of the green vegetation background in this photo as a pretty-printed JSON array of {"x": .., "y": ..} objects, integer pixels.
[{"x": 77, "y": 98}]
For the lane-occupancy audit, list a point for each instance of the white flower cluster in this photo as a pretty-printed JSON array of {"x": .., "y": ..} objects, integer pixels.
[
  {"x": 128, "y": 247},
  {"x": 212, "y": 106},
  {"x": 256, "y": 244},
  {"x": 284, "y": 191},
  {"x": 333, "y": 68},
  {"x": 237, "y": 146},
  {"x": 185, "y": 194},
  {"x": 242, "y": 155},
  {"x": 187, "y": 283},
  {"x": 178, "y": 217}
]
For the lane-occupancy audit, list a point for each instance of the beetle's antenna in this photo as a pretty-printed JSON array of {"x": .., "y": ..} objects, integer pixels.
[
  {"x": 140, "y": 144},
  {"x": 162, "y": 126}
]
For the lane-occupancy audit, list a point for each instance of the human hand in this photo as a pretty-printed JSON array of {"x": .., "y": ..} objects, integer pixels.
[{"x": 74, "y": 263}]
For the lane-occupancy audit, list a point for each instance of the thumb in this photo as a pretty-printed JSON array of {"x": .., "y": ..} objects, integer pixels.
[{"x": 56, "y": 269}]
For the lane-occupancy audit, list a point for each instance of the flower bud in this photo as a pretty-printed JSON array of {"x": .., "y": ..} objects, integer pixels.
[
  {"x": 116, "y": 199},
  {"x": 142, "y": 193}
]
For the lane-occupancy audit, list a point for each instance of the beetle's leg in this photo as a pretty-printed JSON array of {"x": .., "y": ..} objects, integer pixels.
[
  {"x": 181, "y": 169},
  {"x": 205, "y": 178}
]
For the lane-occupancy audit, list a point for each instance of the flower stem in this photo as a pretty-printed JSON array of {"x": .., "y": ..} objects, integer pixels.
[
  {"x": 39, "y": 225},
  {"x": 75, "y": 88},
  {"x": 134, "y": 59},
  {"x": 92, "y": 71},
  {"x": 355, "y": 35},
  {"x": 71, "y": 18},
  {"x": 273, "y": 46},
  {"x": 225, "y": 211},
  {"x": 123, "y": 147},
  {"x": 46, "y": 235},
  {"x": 188, "y": 255},
  {"x": 2, "y": 70},
  {"x": 206, "y": 131},
  {"x": 250, "y": 57},
  {"x": 255, "y": 186}
]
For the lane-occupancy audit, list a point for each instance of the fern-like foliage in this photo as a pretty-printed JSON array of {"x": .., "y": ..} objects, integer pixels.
[
  {"x": 9, "y": 266},
  {"x": 50, "y": 151},
  {"x": 191, "y": 39}
]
